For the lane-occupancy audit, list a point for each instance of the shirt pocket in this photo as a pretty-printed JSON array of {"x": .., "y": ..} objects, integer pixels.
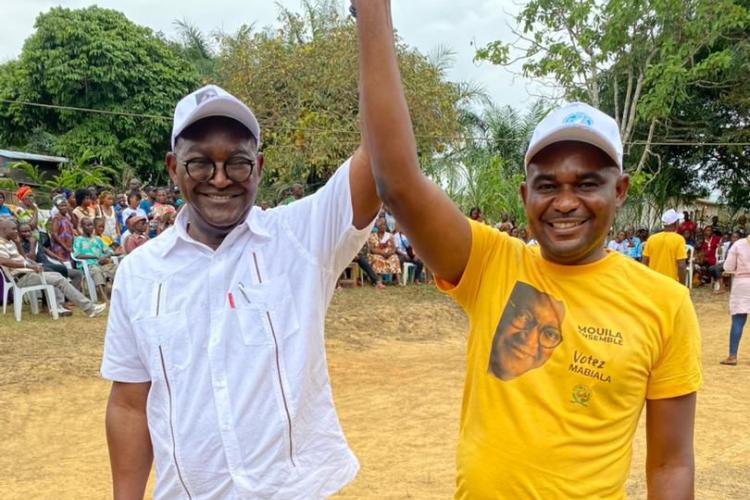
[
  {"x": 267, "y": 313},
  {"x": 167, "y": 341}
]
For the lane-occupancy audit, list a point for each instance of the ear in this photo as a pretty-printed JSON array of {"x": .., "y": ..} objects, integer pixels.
[
  {"x": 524, "y": 190},
  {"x": 171, "y": 162},
  {"x": 621, "y": 189},
  {"x": 259, "y": 162}
]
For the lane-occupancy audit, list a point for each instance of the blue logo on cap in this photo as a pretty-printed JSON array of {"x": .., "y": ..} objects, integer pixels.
[{"x": 579, "y": 117}]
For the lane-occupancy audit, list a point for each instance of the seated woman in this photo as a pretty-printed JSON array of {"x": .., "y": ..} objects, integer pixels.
[{"x": 382, "y": 248}]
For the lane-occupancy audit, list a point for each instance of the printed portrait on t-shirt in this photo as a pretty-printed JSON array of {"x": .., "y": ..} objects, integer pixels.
[{"x": 529, "y": 331}]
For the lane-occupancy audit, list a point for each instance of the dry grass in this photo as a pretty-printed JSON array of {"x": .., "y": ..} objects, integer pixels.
[{"x": 397, "y": 389}]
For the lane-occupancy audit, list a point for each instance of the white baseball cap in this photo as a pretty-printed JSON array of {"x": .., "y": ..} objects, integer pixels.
[
  {"x": 212, "y": 100},
  {"x": 577, "y": 122},
  {"x": 670, "y": 217}
]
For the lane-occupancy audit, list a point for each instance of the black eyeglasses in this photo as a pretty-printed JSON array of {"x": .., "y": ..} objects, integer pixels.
[
  {"x": 549, "y": 336},
  {"x": 238, "y": 169}
]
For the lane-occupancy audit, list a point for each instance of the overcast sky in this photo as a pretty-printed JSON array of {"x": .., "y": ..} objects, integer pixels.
[{"x": 425, "y": 24}]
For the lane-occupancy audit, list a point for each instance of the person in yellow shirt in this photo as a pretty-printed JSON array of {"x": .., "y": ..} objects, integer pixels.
[
  {"x": 568, "y": 343},
  {"x": 666, "y": 252}
]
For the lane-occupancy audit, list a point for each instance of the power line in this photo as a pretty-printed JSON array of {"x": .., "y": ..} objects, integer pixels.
[
  {"x": 355, "y": 132},
  {"x": 86, "y": 110}
]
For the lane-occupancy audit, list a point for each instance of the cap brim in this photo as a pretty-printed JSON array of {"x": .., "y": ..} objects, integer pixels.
[
  {"x": 227, "y": 106},
  {"x": 573, "y": 132}
]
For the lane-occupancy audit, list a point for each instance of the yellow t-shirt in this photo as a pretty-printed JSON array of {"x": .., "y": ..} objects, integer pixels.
[
  {"x": 560, "y": 362},
  {"x": 663, "y": 251}
]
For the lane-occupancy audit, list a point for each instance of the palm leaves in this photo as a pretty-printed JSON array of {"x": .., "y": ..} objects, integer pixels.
[
  {"x": 80, "y": 173},
  {"x": 486, "y": 170}
]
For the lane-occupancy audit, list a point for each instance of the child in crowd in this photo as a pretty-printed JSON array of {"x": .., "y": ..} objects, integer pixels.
[
  {"x": 137, "y": 227},
  {"x": 134, "y": 200}
]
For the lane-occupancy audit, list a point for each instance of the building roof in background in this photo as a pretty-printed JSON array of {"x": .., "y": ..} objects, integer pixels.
[{"x": 20, "y": 156}]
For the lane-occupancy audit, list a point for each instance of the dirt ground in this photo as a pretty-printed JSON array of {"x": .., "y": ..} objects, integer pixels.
[{"x": 396, "y": 361}]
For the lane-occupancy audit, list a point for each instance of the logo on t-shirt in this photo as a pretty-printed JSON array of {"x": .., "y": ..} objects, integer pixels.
[
  {"x": 581, "y": 395},
  {"x": 529, "y": 331}
]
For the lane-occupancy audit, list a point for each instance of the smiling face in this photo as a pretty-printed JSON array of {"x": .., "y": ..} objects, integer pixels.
[
  {"x": 220, "y": 203},
  {"x": 528, "y": 333},
  {"x": 571, "y": 194}
]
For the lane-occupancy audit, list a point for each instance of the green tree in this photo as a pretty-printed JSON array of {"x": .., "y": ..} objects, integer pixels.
[
  {"x": 301, "y": 79},
  {"x": 94, "y": 58},
  {"x": 487, "y": 167},
  {"x": 645, "y": 52}
]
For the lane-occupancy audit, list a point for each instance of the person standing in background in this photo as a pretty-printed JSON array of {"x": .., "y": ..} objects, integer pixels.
[
  {"x": 665, "y": 252},
  {"x": 738, "y": 264}
]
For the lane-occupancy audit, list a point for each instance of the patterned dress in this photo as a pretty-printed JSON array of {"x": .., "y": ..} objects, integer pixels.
[
  {"x": 65, "y": 232},
  {"x": 380, "y": 264}
]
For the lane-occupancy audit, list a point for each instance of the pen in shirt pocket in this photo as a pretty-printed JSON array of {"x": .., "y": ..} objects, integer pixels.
[{"x": 244, "y": 292}]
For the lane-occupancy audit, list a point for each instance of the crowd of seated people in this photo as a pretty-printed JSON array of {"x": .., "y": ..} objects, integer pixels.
[
  {"x": 711, "y": 243},
  {"x": 90, "y": 225}
]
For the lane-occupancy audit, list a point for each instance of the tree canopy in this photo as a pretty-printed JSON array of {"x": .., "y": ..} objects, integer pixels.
[
  {"x": 669, "y": 71},
  {"x": 301, "y": 79},
  {"x": 94, "y": 58}
]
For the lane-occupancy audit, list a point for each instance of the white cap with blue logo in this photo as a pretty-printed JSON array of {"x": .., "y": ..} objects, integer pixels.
[
  {"x": 577, "y": 122},
  {"x": 212, "y": 100}
]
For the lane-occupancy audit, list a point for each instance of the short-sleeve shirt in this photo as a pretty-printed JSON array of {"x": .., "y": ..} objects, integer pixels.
[
  {"x": 9, "y": 250},
  {"x": 560, "y": 361},
  {"x": 94, "y": 246},
  {"x": 232, "y": 342},
  {"x": 663, "y": 251},
  {"x": 5, "y": 211}
]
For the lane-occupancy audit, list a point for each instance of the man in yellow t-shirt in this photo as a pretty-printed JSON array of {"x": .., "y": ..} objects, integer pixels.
[
  {"x": 567, "y": 344},
  {"x": 666, "y": 252}
]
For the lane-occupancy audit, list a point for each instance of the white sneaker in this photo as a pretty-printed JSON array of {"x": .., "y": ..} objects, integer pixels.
[
  {"x": 63, "y": 312},
  {"x": 97, "y": 310}
]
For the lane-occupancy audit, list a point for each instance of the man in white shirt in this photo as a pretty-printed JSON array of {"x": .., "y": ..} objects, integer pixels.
[{"x": 215, "y": 340}]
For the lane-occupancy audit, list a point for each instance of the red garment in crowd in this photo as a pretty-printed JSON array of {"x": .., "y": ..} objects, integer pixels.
[
  {"x": 687, "y": 225},
  {"x": 709, "y": 249}
]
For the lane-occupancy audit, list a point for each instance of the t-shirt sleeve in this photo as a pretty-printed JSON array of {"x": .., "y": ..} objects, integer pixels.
[
  {"x": 120, "y": 361},
  {"x": 483, "y": 239},
  {"x": 322, "y": 222},
  {"x": 678, "y": 372}
]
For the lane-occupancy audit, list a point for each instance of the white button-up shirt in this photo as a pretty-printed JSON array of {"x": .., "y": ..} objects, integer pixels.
[{"x": 232, "y": 342}]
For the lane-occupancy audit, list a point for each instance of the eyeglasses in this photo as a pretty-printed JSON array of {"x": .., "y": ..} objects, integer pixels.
[
  {"x": 238, "y": 169},
  {"x": 549, "y": 336}
]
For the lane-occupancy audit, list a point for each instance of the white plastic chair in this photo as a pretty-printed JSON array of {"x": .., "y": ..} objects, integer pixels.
[
  {"x": 7, "y": 288},
  {"x": 90, "y": 285},
  {"x": 9, "y": 282},
  {"x": 407, "y": 267},
  {"x": 690, "y": 259}
]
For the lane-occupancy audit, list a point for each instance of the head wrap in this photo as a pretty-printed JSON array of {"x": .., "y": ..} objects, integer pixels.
[
  {"x": 23, "y": 191},
  {"x": 58, "y": 199}
]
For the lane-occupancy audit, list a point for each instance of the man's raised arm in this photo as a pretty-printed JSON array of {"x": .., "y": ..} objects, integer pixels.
[{"x": 439, "y": 232}]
